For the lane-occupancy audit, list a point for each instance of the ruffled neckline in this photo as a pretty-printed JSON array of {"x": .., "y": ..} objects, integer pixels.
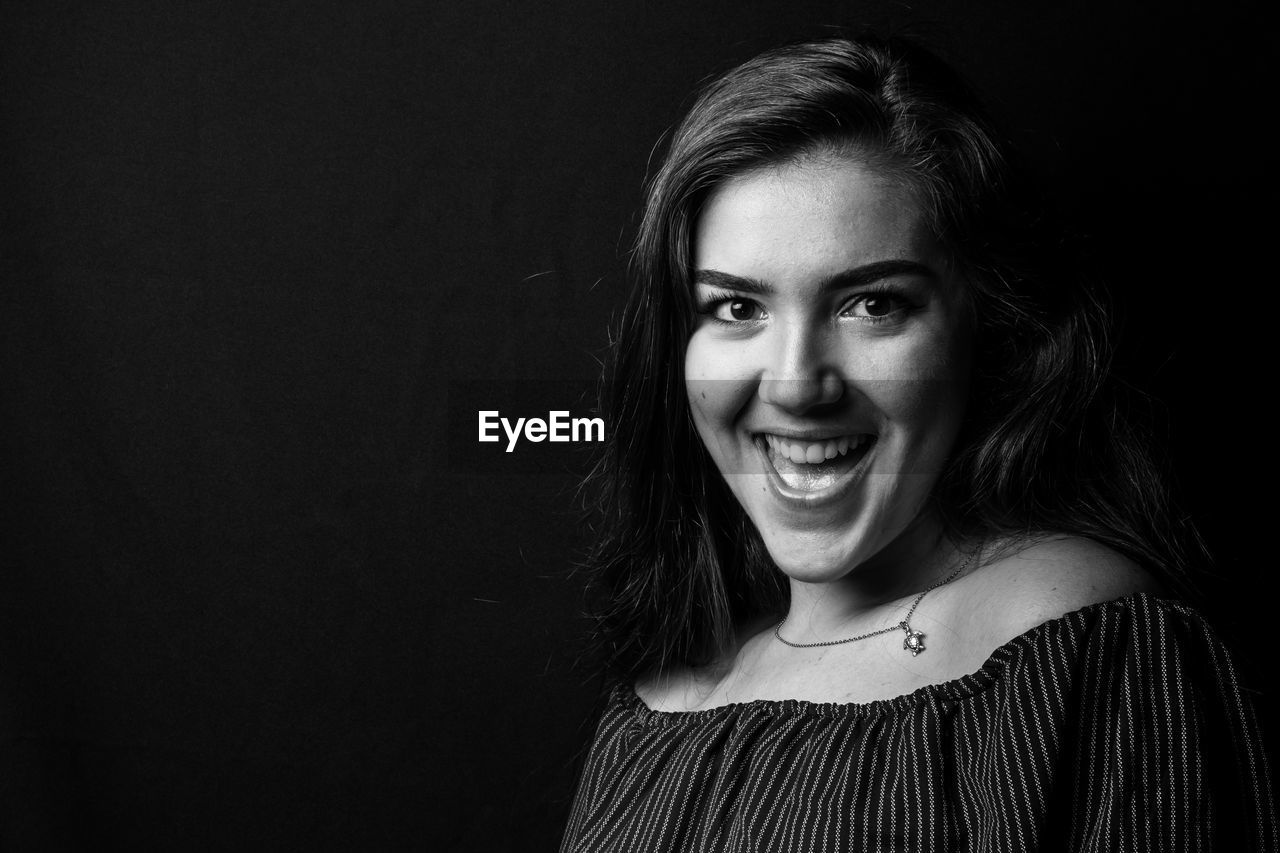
[{"x": 954, "y": 689}]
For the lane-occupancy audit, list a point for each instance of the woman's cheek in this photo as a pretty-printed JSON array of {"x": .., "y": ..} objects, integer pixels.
[
  {"x": 716, "y": 369},
  {"x": 714, "y": 393},
  {"x": 704, "y": 358},
  {"x": 923, "y": 352}
]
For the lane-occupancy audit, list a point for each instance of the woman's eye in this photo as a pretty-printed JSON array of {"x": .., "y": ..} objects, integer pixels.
[
  {"x": 738, "y": 311},
  {"x": 875, "y": 306}
]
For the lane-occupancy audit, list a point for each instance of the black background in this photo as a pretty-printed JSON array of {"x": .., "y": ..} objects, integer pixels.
[{"x": 262, "y": 263}]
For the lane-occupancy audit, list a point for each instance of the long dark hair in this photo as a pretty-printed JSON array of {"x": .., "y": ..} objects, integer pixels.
[{"x": 1045, "y": 447}]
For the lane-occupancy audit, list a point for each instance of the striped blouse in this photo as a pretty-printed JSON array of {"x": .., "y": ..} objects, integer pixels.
[{"x": 1118, "y": 727}]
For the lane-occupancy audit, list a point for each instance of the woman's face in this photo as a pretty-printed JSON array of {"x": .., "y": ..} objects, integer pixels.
[{"x": 828, "y": 367}]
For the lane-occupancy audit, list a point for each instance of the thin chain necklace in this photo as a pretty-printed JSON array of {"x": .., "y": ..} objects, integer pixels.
[{"x": 913, "y": 642}]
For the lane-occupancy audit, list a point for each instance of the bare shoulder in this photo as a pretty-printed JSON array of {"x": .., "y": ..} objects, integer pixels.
[
  {"x": 1049, "y": 577},
  {"x": 668, "y": 689},
  {"x": 680, "y": 687}
]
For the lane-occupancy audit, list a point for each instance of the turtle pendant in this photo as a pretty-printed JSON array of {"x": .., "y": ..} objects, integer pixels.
[{"x": 914, "y": 641}]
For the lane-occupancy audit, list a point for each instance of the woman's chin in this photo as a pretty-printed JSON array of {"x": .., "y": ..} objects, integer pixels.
[{"x": 813, "y": 565}]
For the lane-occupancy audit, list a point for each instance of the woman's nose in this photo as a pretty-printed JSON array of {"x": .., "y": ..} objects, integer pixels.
[{"x": 803, "y": 373}]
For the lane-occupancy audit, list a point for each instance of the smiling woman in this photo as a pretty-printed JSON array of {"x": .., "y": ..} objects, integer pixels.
[
  {"x": 827, "y": 317},
  {"x": 881, "y": 567}
]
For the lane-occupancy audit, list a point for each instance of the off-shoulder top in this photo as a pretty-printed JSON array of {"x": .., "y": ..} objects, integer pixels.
[{"x": 1118, "y": 727}]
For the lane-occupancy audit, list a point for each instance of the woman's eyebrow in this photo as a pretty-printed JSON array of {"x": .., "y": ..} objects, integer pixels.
[
  {"x": 715, "y": 278},
  {"x": 873, "y": 272},
  {"x": 856, "y": 277}
]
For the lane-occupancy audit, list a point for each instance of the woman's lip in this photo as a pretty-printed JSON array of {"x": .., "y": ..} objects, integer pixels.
[
  {"x": 805, "y": 436},
  {"x": 810, "y": 500}
]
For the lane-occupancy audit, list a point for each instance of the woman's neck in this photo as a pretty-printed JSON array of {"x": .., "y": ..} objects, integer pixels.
[{"x": 918, "y": 558}]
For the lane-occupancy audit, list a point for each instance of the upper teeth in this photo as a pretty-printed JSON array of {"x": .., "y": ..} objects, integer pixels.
[{"x": 813, "y": 452}]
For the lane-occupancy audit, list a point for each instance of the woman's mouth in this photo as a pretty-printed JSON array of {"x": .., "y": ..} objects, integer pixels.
[{"x": 813, "y": 472}]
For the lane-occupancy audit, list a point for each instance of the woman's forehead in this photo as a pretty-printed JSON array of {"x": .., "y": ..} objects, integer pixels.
[{"x": 811, "y": 213}]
